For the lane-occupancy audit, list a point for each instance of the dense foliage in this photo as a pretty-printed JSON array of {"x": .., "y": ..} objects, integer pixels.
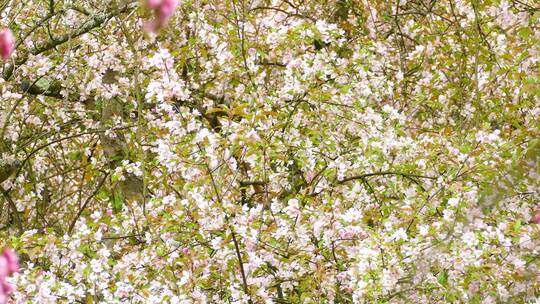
[{"x": 272, "y": 151}]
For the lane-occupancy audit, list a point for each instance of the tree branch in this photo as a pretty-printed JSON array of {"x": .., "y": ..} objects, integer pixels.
[
  {"x": 242, "y": 272},
  {"x": 14, "y": 211},
  {"x": 89, "y": 24},
  {"x": 362, "y": 176},
  {"x": 74, "y": 221}
]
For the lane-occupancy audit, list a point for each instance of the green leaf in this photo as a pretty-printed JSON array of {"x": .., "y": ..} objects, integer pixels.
[
  {"x": 517, "y": 225},
  {"x": 525, "y": 32},
  {"x": 442, "y": 278},
  {"x": 117, "y": 201},
  {"x": 43, "y": 84}
]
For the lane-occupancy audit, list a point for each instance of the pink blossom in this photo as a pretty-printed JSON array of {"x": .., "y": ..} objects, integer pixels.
[
  {"x": 9, "y": 263},
  {"x": 7, "y": 43},
  {"x": 167, "y": 9},
  {"x": 536, "y": 218},
  {"x": 351, "y": 233},
  {"x": 12, "y": 260},
  {"x": 6, "y": 288},
  {"x": 4, "y": 270},
  {"x": 163, "y": 9},
  {"x": 373, "y": 206},
  {"x": 250, "y": 245},
  {"x": 346, "y": 234}
]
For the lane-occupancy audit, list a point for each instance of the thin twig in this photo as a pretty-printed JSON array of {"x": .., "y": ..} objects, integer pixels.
[
  {"x": 13, "y": 207},
  {"x": 362, "y": 176},
  {"x": 74, "y": 221}
]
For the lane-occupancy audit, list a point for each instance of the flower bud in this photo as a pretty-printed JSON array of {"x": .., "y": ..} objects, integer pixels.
[
  {"x": 163, "y": 10},
  {"x": 7, "y": 44},
  {"x": 536, "y": 218}
]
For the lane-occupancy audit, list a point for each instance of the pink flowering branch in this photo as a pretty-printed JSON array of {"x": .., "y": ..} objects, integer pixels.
[{"x": 9, "y": 264}]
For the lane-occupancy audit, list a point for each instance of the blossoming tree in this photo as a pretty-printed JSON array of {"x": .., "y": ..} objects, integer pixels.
[{"x": 271, "y": 151}]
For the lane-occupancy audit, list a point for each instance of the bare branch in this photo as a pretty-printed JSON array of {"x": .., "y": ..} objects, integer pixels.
[{"x": 362, "y": 176}]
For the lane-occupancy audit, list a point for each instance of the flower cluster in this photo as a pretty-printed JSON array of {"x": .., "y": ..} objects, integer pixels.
[{"x": 322, "y": 151}]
